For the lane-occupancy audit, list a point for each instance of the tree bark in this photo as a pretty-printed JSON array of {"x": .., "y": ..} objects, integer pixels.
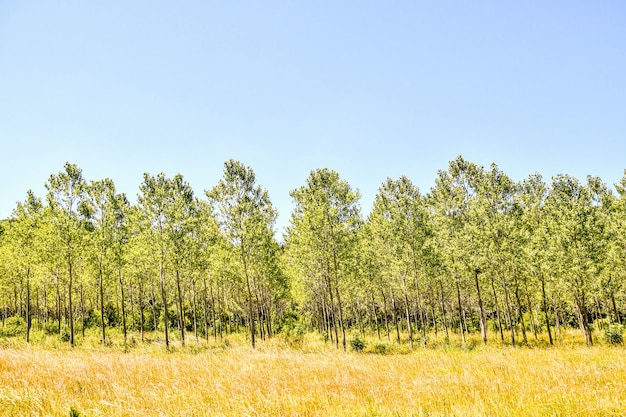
[{"x": 483, "y": 324}]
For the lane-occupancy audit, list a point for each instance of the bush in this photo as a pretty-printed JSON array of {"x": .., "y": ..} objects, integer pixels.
[
  {"x": 14, "y": 326},
  {"x": 293, "y": 329},
  {"x": 614, "y": 334},
  {"x": 52, "y": 327},
  {"x": 380, "y": 348},
  {"x": 357, "y": 344}
]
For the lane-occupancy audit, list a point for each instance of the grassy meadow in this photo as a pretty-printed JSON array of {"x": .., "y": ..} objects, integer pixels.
[{"x": 228, "y": 378}]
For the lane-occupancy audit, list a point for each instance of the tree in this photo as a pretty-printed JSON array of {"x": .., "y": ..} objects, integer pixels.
[
  {"x": 577, "y": 231},
  {"x": 22, "y": 240},
  {"x": 66, "y": 195},
  {"x": 106, "y": 210},
  {"x": 401, "y": 229},
  {"x": 451, "y": 200},
  {"x": 321, "y": 240},
  {"x": 246, "y": 217}
]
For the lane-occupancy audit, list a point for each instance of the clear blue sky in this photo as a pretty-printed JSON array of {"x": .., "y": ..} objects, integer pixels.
[{"x": 369, "y": 89}]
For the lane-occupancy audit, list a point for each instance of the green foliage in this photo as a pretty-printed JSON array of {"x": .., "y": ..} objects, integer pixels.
[
  {"x": 14, "y": 326},
  {"x": 380, "y": 348},
  {"x": 74, "y": 412},
  {"x": 357, "y": 344},
  {"x": 614, "y": 334}
]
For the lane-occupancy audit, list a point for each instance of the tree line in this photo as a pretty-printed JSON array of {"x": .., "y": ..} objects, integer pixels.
[{"x": 479, "y": 253}]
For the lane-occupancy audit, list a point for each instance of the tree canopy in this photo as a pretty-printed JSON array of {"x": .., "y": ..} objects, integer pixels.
[{"x": 478, "y": 253}]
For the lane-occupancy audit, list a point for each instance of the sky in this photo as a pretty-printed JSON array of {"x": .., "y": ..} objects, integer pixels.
[{"x": 370, "y": 89}]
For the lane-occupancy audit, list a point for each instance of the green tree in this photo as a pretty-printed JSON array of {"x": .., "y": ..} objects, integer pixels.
[
  {"x": 401, "y": 227},
  {"x": 321, "y": 240},
  {"x": 246, "y": 217},
  {"x": 22, "y": 242},
  {"x": 577, "y": 231},
  {"x": 66, "y": 196}
]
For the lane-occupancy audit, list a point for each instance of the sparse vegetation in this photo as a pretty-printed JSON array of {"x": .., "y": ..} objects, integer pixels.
[{"x": 614, "y": 334}]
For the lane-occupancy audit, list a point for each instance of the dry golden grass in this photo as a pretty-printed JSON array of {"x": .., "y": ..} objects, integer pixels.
[{"x": 315, "y": 381}]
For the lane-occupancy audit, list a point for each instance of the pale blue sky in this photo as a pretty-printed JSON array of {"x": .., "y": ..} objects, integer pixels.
[{"x": 369, "y": 89}]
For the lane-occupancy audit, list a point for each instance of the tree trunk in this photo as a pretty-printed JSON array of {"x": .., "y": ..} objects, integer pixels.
[
  {"x": 406, "y": 312},
  {"x": 483, "y": 324},
  {"x": 194, "y": 312},
  {"x": 617, "y": 316},
  {"x": 394, "y": 312},
  {"x": 123, "y": 303},
  {"x": 141, "y": 307},
  {"x": 341, "y": 323},
  {"x": 181, "y": 314},
  {"x": 545, "y": 308},
  {"x": 497, "y": 304},
  {"x": 461, "y": 318},
  {"x": 509, "y": 310},
  {"x": 58, "y": 302},
  {"x": 155, "y": 319},
  {"x": 82, "y": 311},
  {"x": 519, "y": 309},
  {"x": 28, "y": 305},
  {"x": 101, "y": 285},
  {"x": 70, "y": 307},
  {"x": 386, "y": 315},
  {"x": 165, "y": 314},
  {"x": 443, "y": 312},
  {"x": 375, "y": 316}
]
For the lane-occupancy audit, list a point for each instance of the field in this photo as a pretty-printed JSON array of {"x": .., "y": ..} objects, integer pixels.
[{"x": 230, "y": 379}]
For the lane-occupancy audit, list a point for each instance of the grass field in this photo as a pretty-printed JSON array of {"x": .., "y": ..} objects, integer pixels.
[{"x": 314, "y": 380}]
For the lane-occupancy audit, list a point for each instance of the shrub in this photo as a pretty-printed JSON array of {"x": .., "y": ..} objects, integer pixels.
[
  {"x": 614, "y": 334},
  {"x": 357, "y": 344},
  {"x": 380, "y": 348},
  {"x": 65, "y": 335},
  {"x": 14, "y": 326},
  {"x": 293, "y": 330},
  {"x": 52, "y": 327}
]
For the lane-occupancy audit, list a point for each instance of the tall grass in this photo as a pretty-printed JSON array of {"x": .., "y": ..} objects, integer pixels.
[{"x": 229, "y": 379}]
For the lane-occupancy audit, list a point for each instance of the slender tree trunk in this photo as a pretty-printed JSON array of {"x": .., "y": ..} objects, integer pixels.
[
  {"x": 155, "y": 319},
  {"x": 531, "y": 312},
  {"x": 70, "y": 307},
  {"x": 141, "y": 307},
  {"x": 58, "y": 301},
  {"x": 444, "y": 322},
  {"x": 82, "y": 311},
  {"x": 507, "y": 299},
  {"x": 615, "y": 313},
  {"x": 497, "y": 304},
  {"x": 420, "y": 308},
  {"x": 204, "y": 310},
  {"x": 461, "y": 318},
  {"x": 341, "y": 323},
  {"x": 394, "y": 311},
  {"x": 483, "y": 323},
  {"x": 406, "y": 312},
  {"x": 101, "y": 287},
  {"x": 520, "y": 311},
  {"x": 194, "y": 313},
  {"x": 375, "y": 317},
  {"x": 386, "y": 315},
  {"x": 181, "y": 314},
  {"x": 557, "y": 319},
  {"x": 123, "y": 304},
  {"x": 165, "y": 313},
  {"x": 582, "y": 314},
  {"x": 545, "y": 308},
  {"x": 28, "y": 322},
  {"x": 213, "y": 312}
]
